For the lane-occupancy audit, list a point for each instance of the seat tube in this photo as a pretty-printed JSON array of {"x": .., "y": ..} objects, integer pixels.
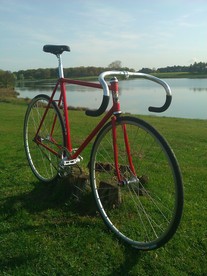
[
  {"x": 64, "y": 101},
  {"x": 66, "y": 119}
]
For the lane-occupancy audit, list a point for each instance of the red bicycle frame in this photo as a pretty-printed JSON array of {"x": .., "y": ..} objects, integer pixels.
[{"x": 113, "y": 113}]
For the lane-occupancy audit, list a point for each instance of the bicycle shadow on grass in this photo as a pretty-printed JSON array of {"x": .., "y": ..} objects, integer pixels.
[
  {"x": 60, "y": 194},
  {"x": 132, "y": 257}
]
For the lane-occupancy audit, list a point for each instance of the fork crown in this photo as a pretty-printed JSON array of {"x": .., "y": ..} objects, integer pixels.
[{"x": 115, "y": 96}]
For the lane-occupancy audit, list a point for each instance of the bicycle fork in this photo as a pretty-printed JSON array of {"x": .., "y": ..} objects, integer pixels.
[
  {"x": 117, "y": 112},
  {"x": 130, "y": 167}
]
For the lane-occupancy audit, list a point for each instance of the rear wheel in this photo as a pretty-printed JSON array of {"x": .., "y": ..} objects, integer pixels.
[
  {"x": 43, "y": 162},
  {"x": 145, "y": 209}
]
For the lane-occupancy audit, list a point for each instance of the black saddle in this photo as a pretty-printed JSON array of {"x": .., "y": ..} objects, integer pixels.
[{"x": 56, "y": 49}]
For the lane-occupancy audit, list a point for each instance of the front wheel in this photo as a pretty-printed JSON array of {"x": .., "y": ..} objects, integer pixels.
[{"x": 145, "y": 208}]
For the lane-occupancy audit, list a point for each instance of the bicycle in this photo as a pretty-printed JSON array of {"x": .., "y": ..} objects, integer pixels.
[{"x": 134, "y": 175}]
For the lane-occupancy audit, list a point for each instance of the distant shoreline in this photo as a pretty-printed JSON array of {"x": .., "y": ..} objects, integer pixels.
[
  {"x": 173, "y": 75},
  {"x": 183, "y": 75}
]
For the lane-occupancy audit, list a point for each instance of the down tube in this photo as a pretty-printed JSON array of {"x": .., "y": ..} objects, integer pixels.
[{"x": 93, "y": 134}]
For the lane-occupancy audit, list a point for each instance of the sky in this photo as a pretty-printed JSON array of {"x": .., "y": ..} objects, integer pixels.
[{"x": 149, "y": 33}]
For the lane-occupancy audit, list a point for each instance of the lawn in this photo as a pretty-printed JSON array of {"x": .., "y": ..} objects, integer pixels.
[{"x": 46, "y": 231}]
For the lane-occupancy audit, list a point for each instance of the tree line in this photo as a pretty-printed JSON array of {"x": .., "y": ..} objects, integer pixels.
[
  {"x": 7, "y": 78},
  {"x": 196, "y": 67},
  {"x": 74, "y": 72},
  {"x": 52, "y": 73}
]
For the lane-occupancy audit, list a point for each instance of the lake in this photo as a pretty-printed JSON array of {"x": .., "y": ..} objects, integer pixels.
[{"x": 189, "y": 96}]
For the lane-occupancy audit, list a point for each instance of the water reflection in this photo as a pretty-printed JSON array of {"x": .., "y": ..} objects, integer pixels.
[{"x": 189, "y": 96}]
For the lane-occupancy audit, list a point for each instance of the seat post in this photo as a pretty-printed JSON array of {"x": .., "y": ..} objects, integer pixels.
[{"x": 60, "y": 66}]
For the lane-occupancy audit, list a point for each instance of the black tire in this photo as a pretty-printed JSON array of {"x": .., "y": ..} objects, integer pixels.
[
  {"x": 44, "y": 164},
  {"x": 145, "y": 211}
]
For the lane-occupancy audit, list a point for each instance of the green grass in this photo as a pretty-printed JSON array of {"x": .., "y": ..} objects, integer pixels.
[{"x": 44, "y": 231}]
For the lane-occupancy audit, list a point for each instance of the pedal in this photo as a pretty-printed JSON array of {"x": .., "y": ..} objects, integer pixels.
[
  {"x": 72, "y": 161},
  {"x": 66, "y": 166}
]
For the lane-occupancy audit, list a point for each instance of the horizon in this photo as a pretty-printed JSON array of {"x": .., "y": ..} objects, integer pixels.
[
  {"x": 153, "y": 34},
  {"x": 101, "y": 66}
]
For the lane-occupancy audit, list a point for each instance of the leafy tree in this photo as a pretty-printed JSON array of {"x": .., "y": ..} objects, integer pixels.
[
  {"x": 146, "y": 70},
  {"x": 198, "y": 67},
  {"x": 7, "y": 79},
  {"x": 115, "y": 64}
]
